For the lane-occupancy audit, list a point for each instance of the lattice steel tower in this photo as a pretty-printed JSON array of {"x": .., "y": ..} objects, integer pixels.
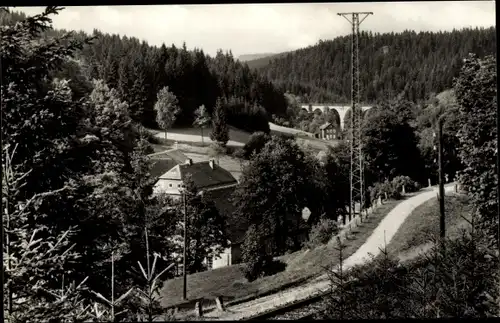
[{"x": 357, "y": 159}]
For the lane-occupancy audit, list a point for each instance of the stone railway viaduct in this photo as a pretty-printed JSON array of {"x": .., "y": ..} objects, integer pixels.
[{"x": 341, "y": 110}]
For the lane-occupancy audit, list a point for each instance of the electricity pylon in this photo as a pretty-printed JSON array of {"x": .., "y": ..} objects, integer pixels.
[{"x": 357, "y": 160}]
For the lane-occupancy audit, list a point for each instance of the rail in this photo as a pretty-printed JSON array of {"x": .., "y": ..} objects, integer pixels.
[{"x": 275, "y": 312}]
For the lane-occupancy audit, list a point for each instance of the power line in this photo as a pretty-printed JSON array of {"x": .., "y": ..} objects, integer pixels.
[{"x": 357, "y": 189}]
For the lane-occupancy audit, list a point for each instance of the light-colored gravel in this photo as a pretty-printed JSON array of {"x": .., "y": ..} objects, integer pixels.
[
  {"x": 193, "y": 135},
  {"x": 381, "y": 235}
]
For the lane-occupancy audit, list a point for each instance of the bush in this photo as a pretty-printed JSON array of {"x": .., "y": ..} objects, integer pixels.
[
  {"x": 257, "y": 261},
  {"x": 230, "y": 151},
  {"x": 381, "y": 189},
  {"x": 280, "y": 121},
  {"x": 246, "y": 117},
  {"x": 238, "y": 153},
  {"x": 322, "y": 232},
  {"x": 393, "y": 188},
  {"x": 255, "y": 144},
  {"x": 152, "y": 139},
  {"x": 216, "y": 151},
  {"x": 409, "y": 184}
]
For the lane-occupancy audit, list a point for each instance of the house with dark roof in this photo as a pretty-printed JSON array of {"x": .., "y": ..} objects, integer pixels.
[
  {"x": 213, "y": 181},
  {"x": 165, "y": 160},
  {"x": 206, "y": 175}
]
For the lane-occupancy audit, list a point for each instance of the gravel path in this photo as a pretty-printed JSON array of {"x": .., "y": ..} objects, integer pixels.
[
  {"x": 382, "y": 235},
  {"x": 390, "y": 225}
]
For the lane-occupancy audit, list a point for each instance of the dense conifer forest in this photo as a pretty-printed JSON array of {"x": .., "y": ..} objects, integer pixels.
[
  {"x": 138, "y": 70},
  {"x": 81, "y": 221},
  {"x": 408, "y": 64},
  {"x": 415, "y": 64}
]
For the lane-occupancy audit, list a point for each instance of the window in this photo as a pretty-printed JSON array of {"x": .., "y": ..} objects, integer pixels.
[{"x": 170, "y": 185}]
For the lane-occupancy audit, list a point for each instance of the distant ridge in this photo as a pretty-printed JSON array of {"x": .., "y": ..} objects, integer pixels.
[
  {"x": 250, "y": 57},
  {"x": 257, "y": 63}
]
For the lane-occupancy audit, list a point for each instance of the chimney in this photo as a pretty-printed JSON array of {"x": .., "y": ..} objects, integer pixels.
[
  {"x": 211, "y": 163},
  {"x": 189, "y": 162}
]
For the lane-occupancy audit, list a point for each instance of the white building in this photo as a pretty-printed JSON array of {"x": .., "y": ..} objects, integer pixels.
[{"x": 211, "y": 180}]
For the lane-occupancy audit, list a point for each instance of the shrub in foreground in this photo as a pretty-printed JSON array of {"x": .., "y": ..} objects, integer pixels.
[
  {"x": 257, "y": 261},
  {"x": 382, "y": 189},
  {"x": 409, "y": 184},
  {"x": 322, "y": 232},
  {"x": 458, "y": 280}
]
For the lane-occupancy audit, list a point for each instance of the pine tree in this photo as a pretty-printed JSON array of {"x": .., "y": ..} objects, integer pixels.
[
  {"x": 337, "y": 300},
  {"x": 112, "y": 67},
  {"x": 137, "y": 93},
  {"x": 150, "y": 304},
  {"x": 220, "y": 130},
  {"x": 35, "y": 257},
  {"x": 123, "y": 86}
]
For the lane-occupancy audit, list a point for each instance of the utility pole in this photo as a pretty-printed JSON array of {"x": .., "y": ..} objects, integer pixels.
[
  {"x": 184, "y": 271},
  {"x": 441, "y": 180},
  {"x": 357, "y": 192},
  {"x": 498, "y": 189}
]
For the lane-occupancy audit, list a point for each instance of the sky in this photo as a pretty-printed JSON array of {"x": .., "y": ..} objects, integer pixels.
[{"x": 266, "y": 28}]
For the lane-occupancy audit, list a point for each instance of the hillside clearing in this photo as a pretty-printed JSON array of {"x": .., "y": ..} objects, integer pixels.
[
  {"x": 280, "y": 129},
  {"x": 238, "y": 138},
  {"x": 302, "y": 266}
]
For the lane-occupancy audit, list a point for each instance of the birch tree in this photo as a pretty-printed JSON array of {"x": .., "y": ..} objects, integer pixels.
[{"x": 167, "y": 109}]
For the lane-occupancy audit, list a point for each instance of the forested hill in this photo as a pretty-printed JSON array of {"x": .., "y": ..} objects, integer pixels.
[
  {"x": 138, "y": 70},
  {"x": 414, "y": 63}
]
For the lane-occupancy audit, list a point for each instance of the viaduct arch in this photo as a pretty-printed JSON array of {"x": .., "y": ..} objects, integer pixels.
[{"x": 340, "y": 109}]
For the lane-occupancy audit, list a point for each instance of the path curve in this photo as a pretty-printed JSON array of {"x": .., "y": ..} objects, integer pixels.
[
  {"x": 387, "y": 227},
  {"x": 390, "y": 225}
]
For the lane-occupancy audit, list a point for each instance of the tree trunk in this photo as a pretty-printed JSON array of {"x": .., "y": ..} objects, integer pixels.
[
  {"x": 202, "y": 141},
  {"x": 165, "y": 134}
]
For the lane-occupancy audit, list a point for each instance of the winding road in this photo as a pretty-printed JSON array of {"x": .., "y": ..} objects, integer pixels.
[{"x": 382, "y": 235}]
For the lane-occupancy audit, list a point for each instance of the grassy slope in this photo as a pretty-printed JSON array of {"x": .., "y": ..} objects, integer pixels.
[
  {"x": 192, "y": 136},
  {"x": 302, "y": 265},
  {"x": 413, "y": 236},
  {"x": 280, "y": 129}
]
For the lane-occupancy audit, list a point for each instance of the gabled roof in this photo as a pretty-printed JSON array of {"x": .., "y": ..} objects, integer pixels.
[
  {"x": 202, "y": 174},
  {"x": 161, "y": 165},
  {"x": 165, "y": 160},
  {"x": 174, "y": 154},
  {"x": 326, "y": 125}
]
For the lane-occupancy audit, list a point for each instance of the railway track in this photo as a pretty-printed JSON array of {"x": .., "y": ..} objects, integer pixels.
[{"x": 299, "y": 310}]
